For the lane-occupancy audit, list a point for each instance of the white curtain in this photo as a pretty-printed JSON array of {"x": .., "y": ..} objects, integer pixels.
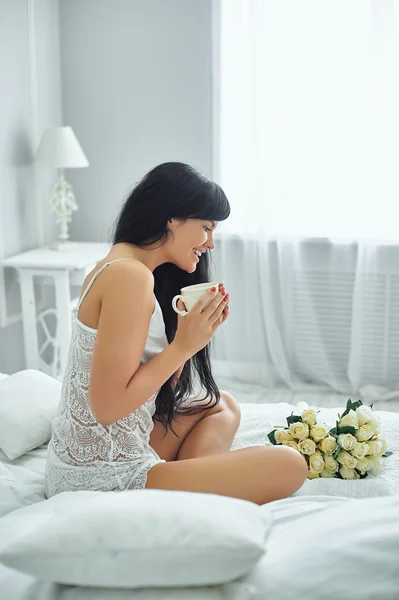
[{"x": 308, "y": 154}]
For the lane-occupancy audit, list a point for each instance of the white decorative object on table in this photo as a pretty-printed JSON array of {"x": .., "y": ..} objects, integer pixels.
[{"x": 60, "y": 149}]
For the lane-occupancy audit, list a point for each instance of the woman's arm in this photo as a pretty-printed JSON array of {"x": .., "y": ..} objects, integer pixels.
[
  {"x": 118, "y": 384},
  {"x": 176, "y": 376}
]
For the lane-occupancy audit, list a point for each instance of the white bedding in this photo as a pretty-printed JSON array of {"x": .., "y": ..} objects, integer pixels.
[
  {"x": 22, "y": 480},
  {"x": 21, "y": 483}
]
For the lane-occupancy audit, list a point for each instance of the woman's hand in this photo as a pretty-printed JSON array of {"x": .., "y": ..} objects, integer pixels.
[
  {"x": 197, "y": 328},
  {"x": 225, "y": 313}
]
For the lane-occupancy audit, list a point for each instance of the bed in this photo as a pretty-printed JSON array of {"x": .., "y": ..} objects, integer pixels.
[{"x": 305, "y": 569}]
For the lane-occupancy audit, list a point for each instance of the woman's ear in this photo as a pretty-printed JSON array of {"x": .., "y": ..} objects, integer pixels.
[{"x": 173, "y": 224}]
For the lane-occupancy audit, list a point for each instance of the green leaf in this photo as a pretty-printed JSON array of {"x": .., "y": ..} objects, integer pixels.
[
  {"x": 362, "y": 476},
  {"x": 294, "y": 419},
  {"x": 351, "y": 406},
  {"x": 347, "y": 429},
  {"x": 334, "y": 430},
  {"x": 337, "y": 451},
  {"x": 386, "y": 454},
  {"x": 271, "y": 437},
  {"x": 371, "y": 405},
  {"x": 356, "y": 405}
]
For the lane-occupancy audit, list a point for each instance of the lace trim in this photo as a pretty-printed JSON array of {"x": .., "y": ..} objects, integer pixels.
[{"x": 84, "y": 454}]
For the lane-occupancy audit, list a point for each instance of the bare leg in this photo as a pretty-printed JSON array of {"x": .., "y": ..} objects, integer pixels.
[
  {"x": 259, "y": 474},
  {"x": 213, "y": 434},
  {"x": 208, "y": 432}
]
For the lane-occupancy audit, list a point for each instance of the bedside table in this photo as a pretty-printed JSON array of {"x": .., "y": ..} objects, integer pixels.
[{"x": 66, "y": 265}]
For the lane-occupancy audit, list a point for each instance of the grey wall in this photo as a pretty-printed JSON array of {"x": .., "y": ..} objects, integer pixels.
[
  {"x": 137, "y": 89},
  {"x": 30, "y": 99}
]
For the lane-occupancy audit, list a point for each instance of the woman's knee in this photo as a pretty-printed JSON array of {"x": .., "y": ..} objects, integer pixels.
[
  {"x": 294, "y": 466},
  {"x": 228, "y": 403}
]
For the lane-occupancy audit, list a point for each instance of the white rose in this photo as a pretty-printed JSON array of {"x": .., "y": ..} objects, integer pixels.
[
  {"x": 364, "y": 433},
  {"x": 375, "y": 465},
  {"x": 316, "y": 462},
  {"x": 384, "y": 447},
  {"x": 347, "y": 441},
  {"x": 312, "y": 475},
  {"x": 348, "y": 473},
  {"x": 291, "y": 444},
  {"x": 360, "y": 450},
  {"x": 364, "y": 465},
  {"x": 307, "y": 446},
  {"x": 349, "y": 420},
  {"x": 327, "y": 474},
  {"x": 375, "y": 424},
  {"x": 309, "y": 417},
  {"x": 318, "y": 432},
  {"x": 282, "y": 435},
  {"x": 331, "y": 464},
  {"x": 299, "y": 431},
  {"x": 375, "y": 448},
  {"x": 328, "y": 445},
  {"x": 346, "y": 459},
  {"x": 363, "y": 414}
]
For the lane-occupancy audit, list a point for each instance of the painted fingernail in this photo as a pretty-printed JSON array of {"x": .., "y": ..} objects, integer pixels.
[
  {"x": 223, "y": 292},
  {"x": 225, "y": 298},
  {"x": 213, "y": 289}
]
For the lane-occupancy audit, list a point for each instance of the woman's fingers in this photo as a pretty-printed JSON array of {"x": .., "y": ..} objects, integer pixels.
[{"x": 215, "y": 316}]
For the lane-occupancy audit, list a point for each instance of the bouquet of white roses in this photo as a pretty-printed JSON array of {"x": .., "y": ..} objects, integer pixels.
[{"x": 350, "y": 450}]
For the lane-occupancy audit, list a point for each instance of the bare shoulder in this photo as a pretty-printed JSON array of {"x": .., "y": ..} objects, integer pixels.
[
  {"x": 127, "y": 286},
  {"x": 129, "y": 272},
  {"x": 121, "y": 285}
]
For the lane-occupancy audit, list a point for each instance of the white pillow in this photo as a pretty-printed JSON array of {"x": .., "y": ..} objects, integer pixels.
[
  {"x": 332, "y": 549},
  {"x": 138, "y": 538},
  {"x": 28, "y": 404}
]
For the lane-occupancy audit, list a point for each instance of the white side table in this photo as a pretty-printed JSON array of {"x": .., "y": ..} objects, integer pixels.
[{"x": 71, "y": 262}]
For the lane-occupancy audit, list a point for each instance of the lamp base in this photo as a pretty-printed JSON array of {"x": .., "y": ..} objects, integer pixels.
[{"x": 63, "y": 204}]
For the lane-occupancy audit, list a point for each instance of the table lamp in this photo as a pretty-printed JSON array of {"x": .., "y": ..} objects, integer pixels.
[{"x": 60, "y": 149}]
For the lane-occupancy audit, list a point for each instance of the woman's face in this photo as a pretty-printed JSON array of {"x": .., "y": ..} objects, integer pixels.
[{"x": 190, "y": 239}]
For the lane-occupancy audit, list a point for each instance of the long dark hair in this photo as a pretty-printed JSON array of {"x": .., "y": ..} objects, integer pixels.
[{"x": 179, "y": 191}]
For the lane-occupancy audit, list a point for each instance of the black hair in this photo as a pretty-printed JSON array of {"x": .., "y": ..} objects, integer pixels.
[{"x": 174, "y": 190}]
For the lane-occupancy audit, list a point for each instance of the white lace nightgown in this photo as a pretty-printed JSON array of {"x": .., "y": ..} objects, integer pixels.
[{"x": 84, "y": 455}]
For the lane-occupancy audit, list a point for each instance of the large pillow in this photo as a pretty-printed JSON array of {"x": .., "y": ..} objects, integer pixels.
[
  {"x": 331, "y": 548},
  {"x": 138, "y": 538},
  {"x": 28, "y": 404}
]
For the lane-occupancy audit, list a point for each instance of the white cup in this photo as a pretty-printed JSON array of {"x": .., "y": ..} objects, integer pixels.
[{"x": 191, "y": 294}]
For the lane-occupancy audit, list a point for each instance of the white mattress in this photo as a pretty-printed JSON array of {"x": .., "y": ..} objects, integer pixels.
[{"x": 21, "y": 483}]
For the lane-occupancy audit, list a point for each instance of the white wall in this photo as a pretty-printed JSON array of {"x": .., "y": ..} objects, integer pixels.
[
  {"x": 134, "y": 79},
  {"x": 30, "y": 99},
  {"x": 137, "y": 89}
]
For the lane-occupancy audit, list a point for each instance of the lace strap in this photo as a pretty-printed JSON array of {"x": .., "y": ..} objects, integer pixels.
[{"x": 92, "y": 280}]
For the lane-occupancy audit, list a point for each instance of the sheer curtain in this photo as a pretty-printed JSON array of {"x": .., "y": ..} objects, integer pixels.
[{"x": 308, "y": 130}]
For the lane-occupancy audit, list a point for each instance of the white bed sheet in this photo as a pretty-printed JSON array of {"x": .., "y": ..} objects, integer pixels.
[{"x": 22, "y": 483}]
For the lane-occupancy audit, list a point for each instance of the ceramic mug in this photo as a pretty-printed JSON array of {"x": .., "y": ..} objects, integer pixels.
[{"x": 191, "y": 294}]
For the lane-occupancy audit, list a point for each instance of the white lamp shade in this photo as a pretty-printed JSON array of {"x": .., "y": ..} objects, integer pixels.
[{"x": 60, "y": 149}]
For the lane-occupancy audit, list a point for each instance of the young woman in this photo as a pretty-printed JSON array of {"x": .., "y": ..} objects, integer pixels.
[{"x": 128, "y": 418}]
